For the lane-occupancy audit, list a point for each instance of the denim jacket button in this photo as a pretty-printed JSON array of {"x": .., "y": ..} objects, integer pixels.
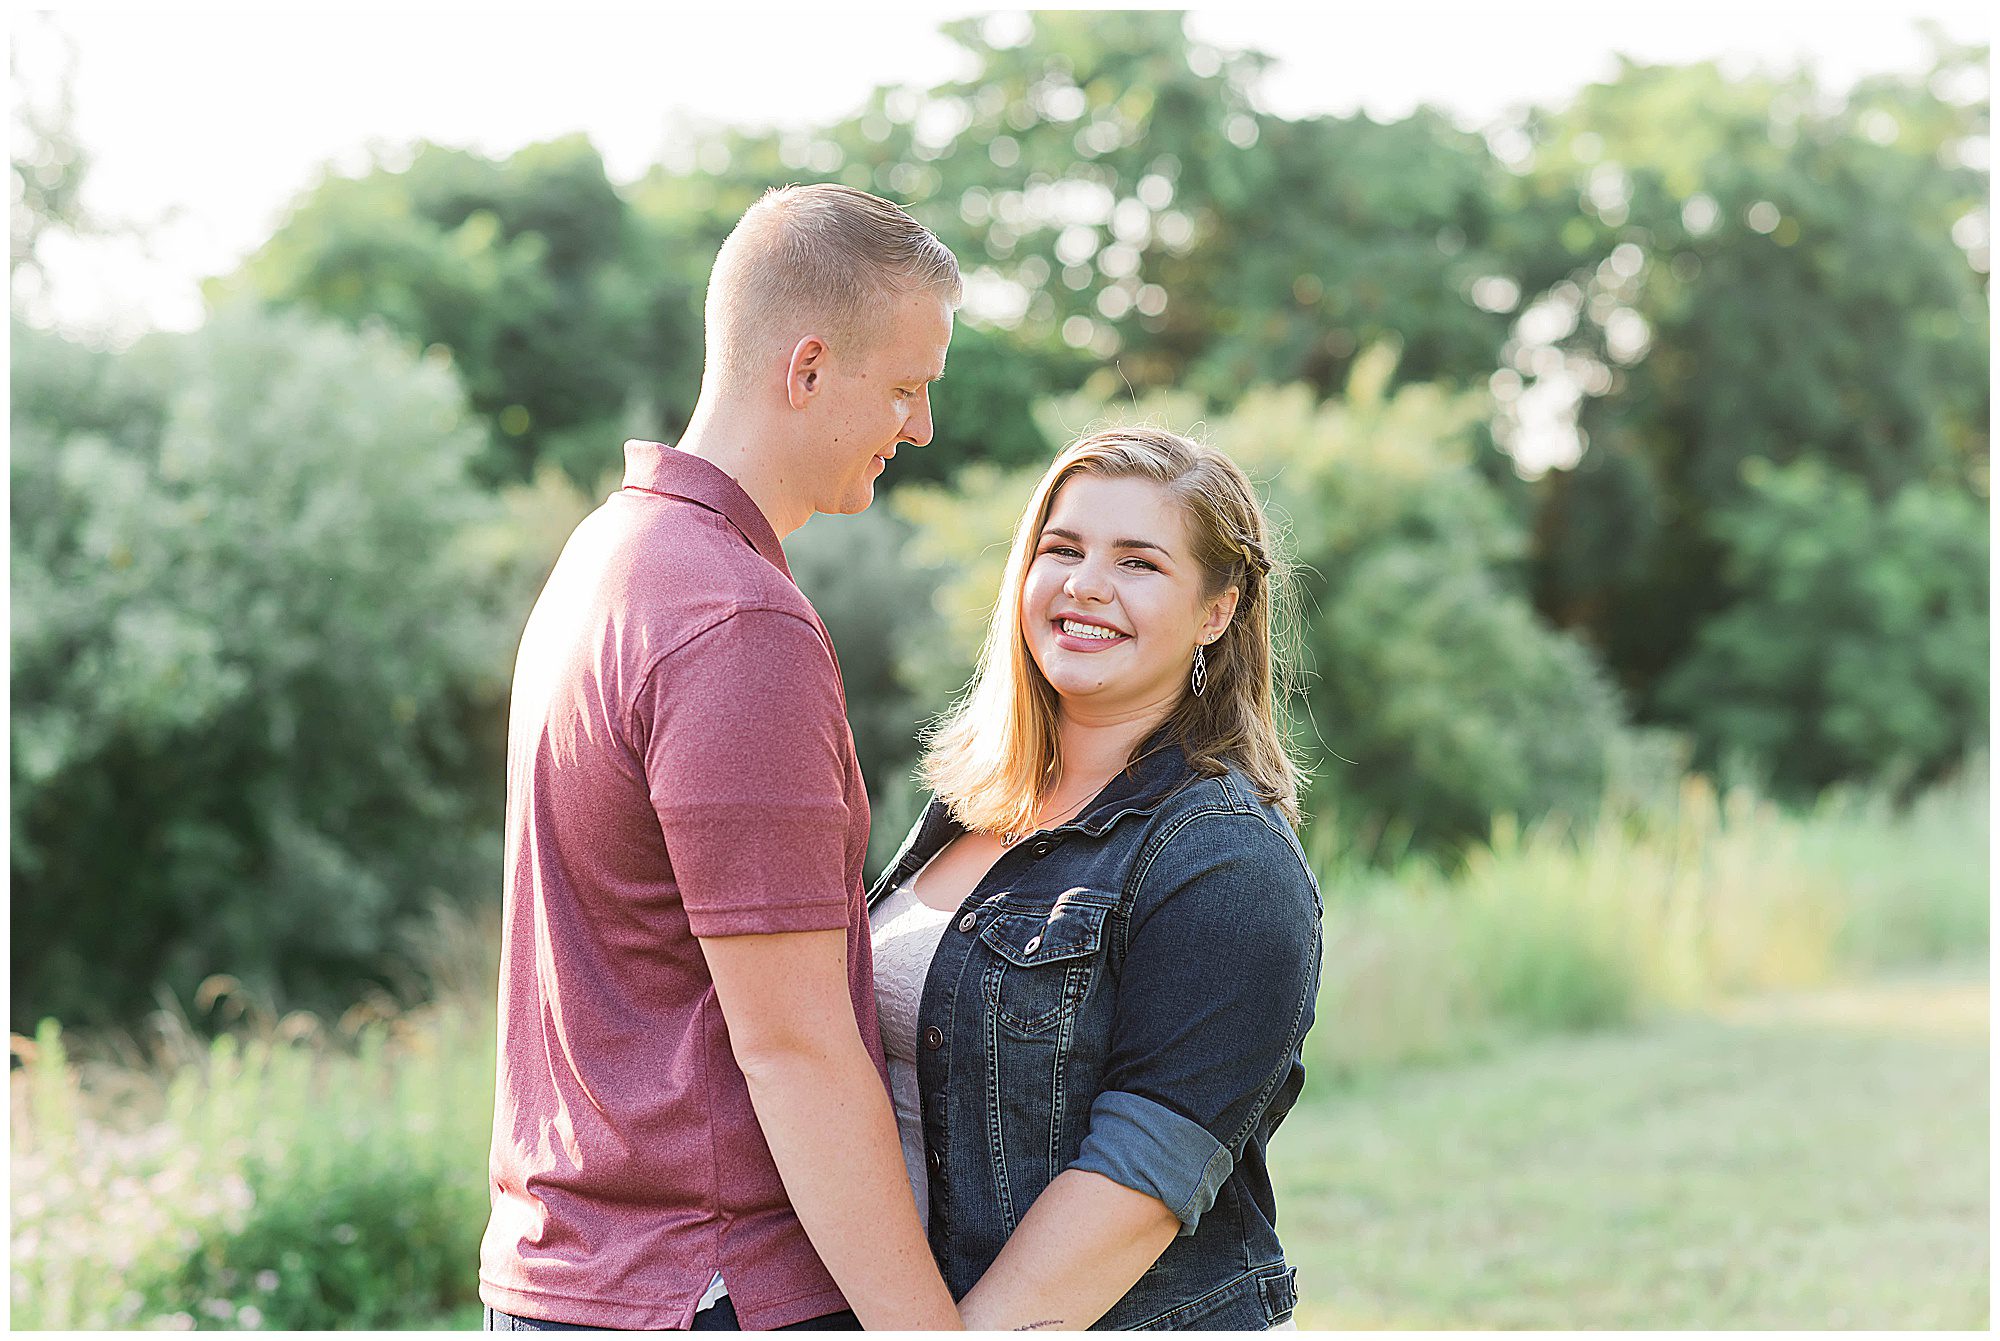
[
  {"x": 933, "y": 1038},
  {"x": 1032, "y": 946},
  {"x": 968, "y": 922},
  {"x": 936, "y": 1161},
  {"x": 1041, "y": 848}
]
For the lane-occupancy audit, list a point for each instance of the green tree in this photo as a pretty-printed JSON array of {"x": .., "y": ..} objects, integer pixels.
[
  {"x": 563, "y": 321},
  {"x": 1116, "y": 196},
  {"x": 254, "y": 686},
  {"x": 1856, "y": 638},
  {"x": 1757, "y": 273}
]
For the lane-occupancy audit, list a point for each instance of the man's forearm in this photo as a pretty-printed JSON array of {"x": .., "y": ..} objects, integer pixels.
[{"x": 827, "y": 1120}]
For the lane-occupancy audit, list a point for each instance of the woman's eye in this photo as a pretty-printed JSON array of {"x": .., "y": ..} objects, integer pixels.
[
  {"x": 1143, "y": 564},
  {"x": 1063, "y": 550}
]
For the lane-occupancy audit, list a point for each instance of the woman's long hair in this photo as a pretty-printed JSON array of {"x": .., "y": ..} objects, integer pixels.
[{"x": 992, "y": 758}]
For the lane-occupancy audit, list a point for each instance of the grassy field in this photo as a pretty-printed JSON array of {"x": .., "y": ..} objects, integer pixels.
[
  {"x": 1595, "y": 1076},
  {"x": 1804, "y": 1160}
]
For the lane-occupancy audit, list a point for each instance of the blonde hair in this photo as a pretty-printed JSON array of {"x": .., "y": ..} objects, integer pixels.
[
  {"x": 992, "y": 757},
  {"x": 821, "y": 258}
]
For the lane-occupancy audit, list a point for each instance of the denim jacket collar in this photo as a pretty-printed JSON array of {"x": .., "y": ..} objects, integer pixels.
[{"x": 1140, "y": 787}]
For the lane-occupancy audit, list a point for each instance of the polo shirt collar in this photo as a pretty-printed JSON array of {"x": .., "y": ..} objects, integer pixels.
[{"x": 655, "y": 468}]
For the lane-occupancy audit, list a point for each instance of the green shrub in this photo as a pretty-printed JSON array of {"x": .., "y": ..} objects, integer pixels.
[
  {"x": 369, "y": 1225},
  {"x": 287, "y": 1179},
  {"x": 254, "y": 675},
  {"x": 1855, "y": 644}
]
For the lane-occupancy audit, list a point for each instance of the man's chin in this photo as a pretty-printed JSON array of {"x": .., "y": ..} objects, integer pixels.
[{"x": 844, "y": 508}]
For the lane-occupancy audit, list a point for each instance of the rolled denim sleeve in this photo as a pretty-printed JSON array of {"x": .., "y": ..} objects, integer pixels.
[
  {"x": 1141, "y": 1145},
  {"x": 1214, "y": 1000}
]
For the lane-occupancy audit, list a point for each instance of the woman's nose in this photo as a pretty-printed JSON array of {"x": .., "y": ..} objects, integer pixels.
[{"x": 1086, "y": 583}]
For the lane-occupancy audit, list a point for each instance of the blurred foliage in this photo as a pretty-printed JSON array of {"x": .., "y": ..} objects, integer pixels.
[
  {"x": 1114, "y": 193},
  {"x": 262, "y": 627},
  {"x": 47, "y": 163},
  {"x": 559, "y": 310},
  {"x": 1439, "y": 696},
  {"x": 1434, "y": 697},
  {"x": 875, "y": 597},
  {"x": 1735, "y": 270},
  {"x": 253, "y": 682},
  {"x": 1704, "y": 269},
  {"x": 1856, "y": 640},
  {"x": 572, "y": 313},
  {"x": 282, "y": 1176}
]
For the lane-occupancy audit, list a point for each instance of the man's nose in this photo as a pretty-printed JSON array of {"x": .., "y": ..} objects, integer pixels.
[{"x": 917, "y": 428}]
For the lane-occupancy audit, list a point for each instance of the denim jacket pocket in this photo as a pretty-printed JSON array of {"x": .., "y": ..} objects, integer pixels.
[{"x": 1046, "y": 958}]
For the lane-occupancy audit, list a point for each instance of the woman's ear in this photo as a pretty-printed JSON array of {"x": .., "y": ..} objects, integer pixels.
[{"x": 1220, "y": 611}]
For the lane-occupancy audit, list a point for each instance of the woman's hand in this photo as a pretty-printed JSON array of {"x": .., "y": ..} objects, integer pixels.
[{"x": 1080, "y": 1247}]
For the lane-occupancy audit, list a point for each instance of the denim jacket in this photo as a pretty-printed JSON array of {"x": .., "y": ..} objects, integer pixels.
[{"x": 1126, "y": 993}]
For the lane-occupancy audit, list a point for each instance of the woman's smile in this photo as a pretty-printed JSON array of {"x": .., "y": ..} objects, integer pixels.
[{"x": 1086, "y": 635}]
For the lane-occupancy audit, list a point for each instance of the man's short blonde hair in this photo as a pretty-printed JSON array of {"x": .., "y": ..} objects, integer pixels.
[{"x": 822, "y": 260}]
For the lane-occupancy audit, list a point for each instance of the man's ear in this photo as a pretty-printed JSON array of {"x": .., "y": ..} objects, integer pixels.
[{"x": 806, "y": 372}]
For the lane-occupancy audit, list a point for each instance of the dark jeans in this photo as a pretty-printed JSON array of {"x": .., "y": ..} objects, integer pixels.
[{"x": 717, "y": 1317}]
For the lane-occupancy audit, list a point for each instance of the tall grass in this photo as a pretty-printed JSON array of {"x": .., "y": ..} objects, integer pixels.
[
  {"x": 295, "y": 1174},
  {"x": 288, "y": 1177},
  {"x": 1655, "y": 906}
]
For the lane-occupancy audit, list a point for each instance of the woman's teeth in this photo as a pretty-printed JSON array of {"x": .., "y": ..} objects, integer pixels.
[{"x": 1076, "y": 630}]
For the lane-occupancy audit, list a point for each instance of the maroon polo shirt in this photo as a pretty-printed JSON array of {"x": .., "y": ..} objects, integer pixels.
[{"x": 678, "y": 765}]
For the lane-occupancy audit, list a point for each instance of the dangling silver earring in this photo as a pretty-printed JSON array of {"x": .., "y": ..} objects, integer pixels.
[{"x": 1200, "y": 677}]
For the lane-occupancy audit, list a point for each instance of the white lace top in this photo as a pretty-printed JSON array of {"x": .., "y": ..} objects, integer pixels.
[{"x": 905, "y": 935}]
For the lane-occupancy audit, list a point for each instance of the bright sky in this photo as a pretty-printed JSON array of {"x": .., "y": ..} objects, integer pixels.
[{"x": 203, "y": 126}]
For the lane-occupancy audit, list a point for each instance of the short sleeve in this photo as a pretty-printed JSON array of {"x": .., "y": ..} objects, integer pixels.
[
  {"x": 745, "y": 749},
  {"x": 1214, "y": 1000}
]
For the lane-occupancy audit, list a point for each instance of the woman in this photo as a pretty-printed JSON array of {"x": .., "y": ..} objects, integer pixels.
[{"x": 1096, "y": 953}]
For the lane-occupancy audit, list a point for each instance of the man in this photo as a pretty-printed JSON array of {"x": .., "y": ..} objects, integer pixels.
[{"x": 691, "y": 1126}]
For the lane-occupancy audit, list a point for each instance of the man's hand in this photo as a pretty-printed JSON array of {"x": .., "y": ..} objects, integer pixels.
[{"x": 828, "y": 1122}]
